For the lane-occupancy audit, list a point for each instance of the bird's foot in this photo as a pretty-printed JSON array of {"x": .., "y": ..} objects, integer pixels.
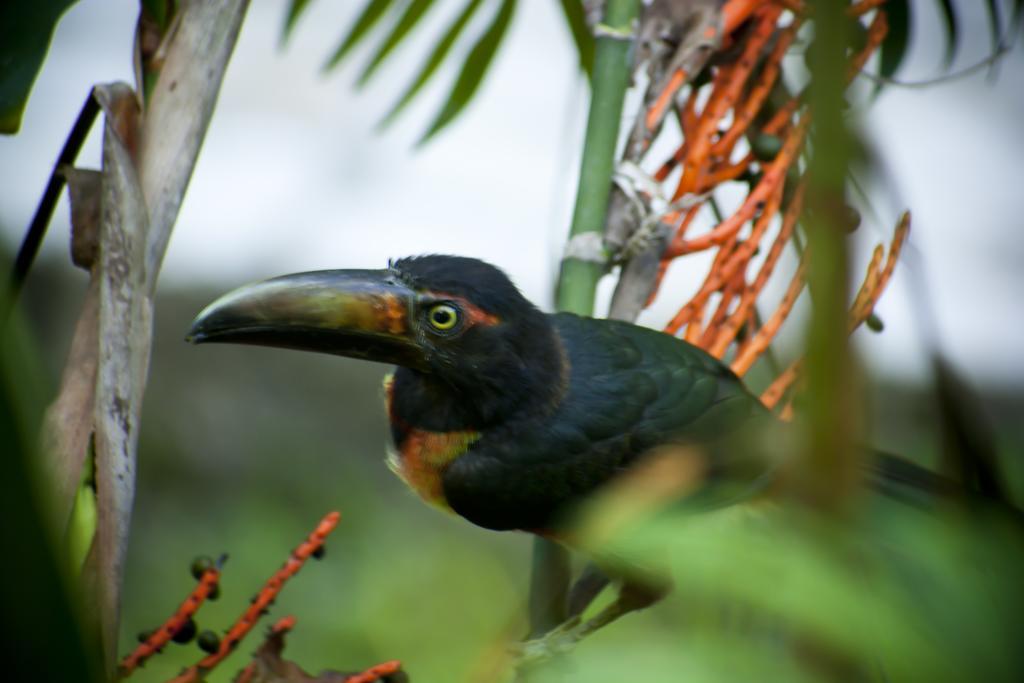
[
  {"x": 557, "y": 641},
  {"x": 563, "y": 638}
]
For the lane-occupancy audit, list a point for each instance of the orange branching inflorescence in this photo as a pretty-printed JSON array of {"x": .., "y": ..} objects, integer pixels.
[
  {"x": 726, "y": 92},
  {"x": 875, "y": 282},
  {"x": 262, "y": 600},
  {"x": 280, "y": 627},
  {"x": 163, "y": 635},
  {"x": 741, "y": 125},
  {"x": 209, "y": 577},
  {"x": 273, "y": 646},
  {"x": 376, "y": 672},
  {"x": 876, "y": 34},
  {"x": 864, "y": 6}
]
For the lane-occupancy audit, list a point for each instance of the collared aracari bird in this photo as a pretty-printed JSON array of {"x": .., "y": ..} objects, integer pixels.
[{"x": 508, "y": 416}]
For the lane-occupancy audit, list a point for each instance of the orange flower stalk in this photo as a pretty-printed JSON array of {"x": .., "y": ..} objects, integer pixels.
[
  {"x": 280, "y": 627},
  {"x": 777, "y": 389},
  {"x": 864, "y": 304},
  {"x": 774, "y": 176},
  {"x": 755, "y": 99},
  {"x": 728, "y": 331},
  {"x": 376, "y": 672},
  {"x": 163, "y": 635},
  {"x": 735, "y": 12},
  {"x": 727, "y": 266},
  {"x": 876, "y": 34},
  {"x": 760, "y": 341},
  {"x": 706, "y": 154},
  {"x": 262, "y": 600},
  {"x": 874, "y": 282},
  {"x": 733, "y": 289},
  {"x": 657, "y": 111},
  {"x": 728, "y": 86},
  {"x": 267, "y": 663},
  {"x": 863, "y": 7}
]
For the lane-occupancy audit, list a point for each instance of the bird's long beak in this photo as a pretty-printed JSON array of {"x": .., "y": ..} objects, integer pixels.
[{"x": 358, "y": 313}]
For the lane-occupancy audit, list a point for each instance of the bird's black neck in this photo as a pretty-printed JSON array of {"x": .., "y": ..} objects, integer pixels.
[{"x": 523, "y": 375}]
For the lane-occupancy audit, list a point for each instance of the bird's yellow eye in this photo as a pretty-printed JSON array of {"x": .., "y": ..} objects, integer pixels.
[{"x": 443, "y": 317}]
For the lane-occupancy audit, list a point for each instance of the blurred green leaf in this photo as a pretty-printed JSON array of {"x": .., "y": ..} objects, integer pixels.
[
  {"x": 894, "y": 47},
  {"x": 581, "y": 35},
  {"x": 995, "y": 25},
  {"x": 434, "y": 60},
  {"x": 949, "y": 22},
  {"x": 156, "y": 9},
  {"x": 42, "y": 635},
  {"x": 477, "y": 63},
  {"x": 371, "y": 14},
  {"x": 995, "y": 22},
  {"x": 26, "y": 29},
  {"x": 412, "y": 15},
  {"x": 916, "y": 594},
  {"x": 295, "y": 10}
]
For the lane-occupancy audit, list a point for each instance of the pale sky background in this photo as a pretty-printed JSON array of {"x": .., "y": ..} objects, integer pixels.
[{"x": 293, "y": 177}]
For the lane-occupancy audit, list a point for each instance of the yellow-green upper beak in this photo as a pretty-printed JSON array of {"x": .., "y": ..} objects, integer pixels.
[{"x": 358, "y": 313}]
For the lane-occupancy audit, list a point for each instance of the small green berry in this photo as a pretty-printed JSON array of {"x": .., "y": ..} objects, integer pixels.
[
  {"x": 208, "y": 641},
  {"x": 766, "y": 147},
  {"x": 200, "y": 565}
]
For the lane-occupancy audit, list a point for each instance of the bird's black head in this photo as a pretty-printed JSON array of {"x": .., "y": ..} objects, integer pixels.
[{"x": 473, "y": 350}]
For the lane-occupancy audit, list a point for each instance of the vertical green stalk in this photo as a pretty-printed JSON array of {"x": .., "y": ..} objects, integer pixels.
[
  {"x": 549, "y": 583},
  {"x": 612, "y": 66},
  {"x": 43, "y": 630},
  {"x": 828, "y": 472}
]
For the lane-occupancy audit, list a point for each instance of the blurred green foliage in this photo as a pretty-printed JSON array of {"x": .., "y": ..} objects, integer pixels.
[
  {"x": 39, "y": 618},
  {"x": 916, "y": 594},
  {"x": 244, "y": 449},
  {"x": 25, "y": 32}
]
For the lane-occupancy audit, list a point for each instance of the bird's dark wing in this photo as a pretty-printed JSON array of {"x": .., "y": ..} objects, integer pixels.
[{"x": 630, "y": 390}]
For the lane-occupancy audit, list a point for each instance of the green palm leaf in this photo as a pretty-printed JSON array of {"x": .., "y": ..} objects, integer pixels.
[
  {"x": 434, "y": 60},
  {"x": 295, "y": 10},
  {"x": 372, "y": 13},
  {"x": 949, "y": 22},
  {"x": 581, "y": 35},
  {"x": 412, "y": 15},
  {"x": 894, "y": 47},
  {"x": 25, "y": 32},
  {"x": 473, "y": 71},
  {"x": 995, "y": 22}
]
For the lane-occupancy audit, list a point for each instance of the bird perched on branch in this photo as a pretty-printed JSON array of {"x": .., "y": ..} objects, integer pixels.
[
  {"x": 504, "y": 414},
  {"x": 508, "y": 416}
]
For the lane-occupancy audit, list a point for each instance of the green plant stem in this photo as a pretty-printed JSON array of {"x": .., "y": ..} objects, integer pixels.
[
  {"x": 578, "y": 279},
  {"x": 827, "y": 473},
  {"x": 549, "y": 581}
]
